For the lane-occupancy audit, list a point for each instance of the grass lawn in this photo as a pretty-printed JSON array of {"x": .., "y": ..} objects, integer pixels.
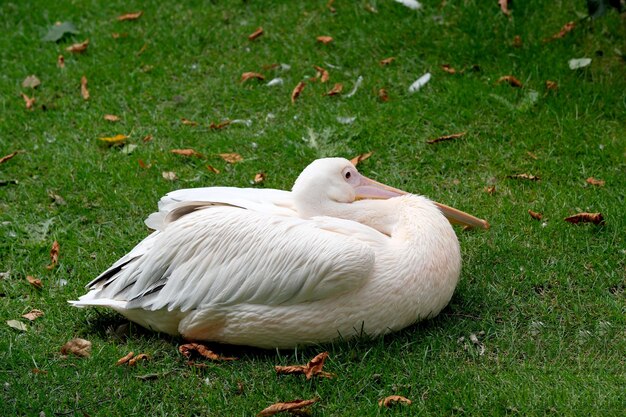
[{"x": 544, "y": 298}]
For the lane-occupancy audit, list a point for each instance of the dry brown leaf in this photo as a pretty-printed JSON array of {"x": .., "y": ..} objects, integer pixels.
[
  {"x": 504, "y": 6},
  {"x": 257, "y": 33},
  {"x": 33, "y": 314},
  {"x": 288, "y": 406},
  {"x": 231, "y": 158},
  {"x": 9, "y": 156},
  {"x": 491, "y": 189},
  {"x": 35, "y": 282},
  {"x": 143, "y": 165},
  {"x": 447, "y": 68},
  {"x": 324, "y": 39},
  {"x": 511, "y": 80},
  {"x": 337, "y": 88},
  {"x": 313, "y": 368},
  {"x": 595, "y": 181},
  {"x": 259, "y": 177},
  {"x": 595, "y": 218},
  {"x": 387, "y": 61},
  {"x": 212, "y": 169},
  {"x": 111, "y": 118},
  {"x": 141, "y": 356},
  {"x": 297, "y": 91},
  {"x": 382, "y": 95},
  {"x": 78, "y": 48},
  {"x": 31, "y": 82},
  {"x": 392, "y": 400},
  {"x": 552, "y": 85},
  {"x": 249, "y": 75},
  {"x": 169, "y": 175},
  {"x": 189, "y": 349},
  {"x": 532, "y": 155},
  {"x": 54, "y": 255},
  {"x": 83, "y": 88},
  {"x": 61, "y": 61},
  {"x": 447, "y": 137},
  {"x": 130, "y": 16},
  {"x": 146, "y": 138},
  {"x": 122, "y": 361},
  {"x": 78, "y": 347},
  {"x": 517, "y": 41},
  {"x": 29, "y": 101},
  {"x": 39, "y": 371},
  {"x": 322, "y": 74},
  {"x": 220, "y": 125},
  {"x": 535, "y": 215},
  {"x": 524, "y": 176},
  {"x": 188, "y": 122},
  {"x": 187, "y": 152},
  {"x": 357, "y": 159},
  {"x": 568, "y": 27}
]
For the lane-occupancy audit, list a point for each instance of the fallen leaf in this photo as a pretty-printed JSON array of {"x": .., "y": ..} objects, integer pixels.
[
  {"x": 595, "y": 218},
  {"x": 189, "y": 349},
  {"x": 33, "y": 314},
  {"x": 447, "y": 137},
  {"x": 61, "y": 61},
  {"x": 324, "y": 39},
  {"x": 143, "y": 165},
  {"x": 288, "y": 406},
  {"x": 322, "y": 74},
  {"x": 382, "y": 95},
  {"x": 220, "y": 125},
  {"x": 313, "y": 368},
  {"x": 39, "y": 371},
  {"x": 130, "y": 16},
  {"x": 188, "y": 122},
  {"x": 169, "y": 175},
  {"x": 387, "y": 61},
  {"x": 392, "y": 400},
  {"x": 122, "y": 361},
  {"x": 517, "y": 41},
  {"x": 504, "y": 6},
  {"x": 78, "y": 48},
  {"x": 447, "y": 68},
  {"x": 111, "y": 118},
  {"x": 146, "y": 138},
  {"x": 357, "y": 159},
  {"x": 231, "y": 158},
  {"x": 83, "y": 88},
  {"x": 29, "y": 101},
  {"x": 524, "y": 176},
  {"x": 35, "y": 282},
  {"x": 187, "y": 152},
  {"x": 552, "y": 85},
  {"x": 59, "y": 30},
  {"x": 9, "y": 156},
  {"x": 578, "y": 63},
  {"x": 297, "y": 91},
  {"x": 337, "y": 88},
  {"x": 257, "y": 33},
  {"x": 249, "y": 75},
  {"x": 532, "y": 155},
  {"x": 595, "y": 181},
  {"x": 511, "y": 80},
  {"x": 78, "y": 347},
  {"x": 114, "y": 140},
  {"x": 212, "y": 169},
  {"x": 17, "y": 325},
  {"x": 140, "y": 357},
  {"x": 259, "y": 177},
  {"x": 57, "y": 199},
  {"x": 31, "y": 82},
  {"x": 535, "y": 215},
  {"x": 54, "y": 255},
  {"x": 330, "y": 7},
  {"x": 568, "y": 27}
]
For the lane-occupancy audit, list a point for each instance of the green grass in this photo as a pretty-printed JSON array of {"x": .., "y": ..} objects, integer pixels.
[{"x": 549, "y": 297}]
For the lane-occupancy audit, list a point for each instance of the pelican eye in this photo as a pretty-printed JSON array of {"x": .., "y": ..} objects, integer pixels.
[{"x": 348, "y": 175}]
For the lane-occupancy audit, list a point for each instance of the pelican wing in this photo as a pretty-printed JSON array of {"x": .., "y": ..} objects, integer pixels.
[{"x": 225, "y": 255}]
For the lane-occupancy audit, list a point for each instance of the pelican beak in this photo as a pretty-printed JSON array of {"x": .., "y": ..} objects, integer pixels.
[{"x": 370, "y": 189}]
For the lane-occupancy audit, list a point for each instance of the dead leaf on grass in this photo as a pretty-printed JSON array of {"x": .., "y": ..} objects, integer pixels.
[
  {"x": 146, "y": 138},
  {"x": 568, "y": 27},
  {"x": 78, "y": 48},
  {"x": 287, "y": 406},
  {"x": 504, "y": 6},
  {"x": 552, "y": 85},
  {"x": 511, "y": 80},
  {"x": 446, "y": 137},
  {"x": 259, "y": 177},
  {"x": 596, "y": 182},
  {"x": 9, "y": 156},
  {"x": 382, "y": 95},
  {"x": 212, "y": 169},
  {"x": 517, "y": 41},
  {"x": 143, "y": 165},
  {"x": 322, "y": 74},
  {"x": 393, "y": 400},
  {"x": 257, "y": 33},
  {"x": 337, "y": 88},
  {"x": 111, "y": 118},
  {"x": 169, "y": 175},
  {"x": 83, "y": 88},
  {"x": 17, "y": 325},
  {"x": 220, "y": 125},
  {"x": 313, "y": 368},
  {"x": 140, "y": 357},
  {"x": 39, "y": 371},
  {"x": 187, "y": 152},
  {"x": 231, "y": 158},
  {"x": 54, "y": 255},
  {"x": 123, "y": 360},
  {"x": 61, "y": 61},
  {"x": 524, "y": 176},
  {"x": 357, "y": 159},
  {"x": 189, "y": 349},
  {"x": 535, "y": 215},
  {"x": 79, "y": 347},
  {"x": 491, "y": 189},
  {"x": 29, "y": 101},
  {"x": 330, "y": 7},
  {"x": 251, "y": 75},
  {"x": 114, "y": 140},
  {"x": 387, "y": 61},
  {"x": 35, "y": 282},
  {"x": 33, "y": 314},
  {"x": 595, "y": 218},
  {"x": 324, "y": 39},
  {"x": 31, "y": 82},
  {"x": 130, "y": 16},
  {"x": 297, "y": 91},
  {"x": 447, "y": 68}
]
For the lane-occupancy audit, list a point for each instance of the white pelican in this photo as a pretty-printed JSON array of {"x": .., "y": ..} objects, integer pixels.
[{"x": 338, "y": 256}]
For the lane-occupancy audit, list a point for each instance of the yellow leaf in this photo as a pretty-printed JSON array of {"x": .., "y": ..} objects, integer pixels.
[{"x": 114, "y": 140}]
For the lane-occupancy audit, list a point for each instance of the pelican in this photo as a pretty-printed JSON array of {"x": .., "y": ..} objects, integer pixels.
[{"x": 339, "y": 256}]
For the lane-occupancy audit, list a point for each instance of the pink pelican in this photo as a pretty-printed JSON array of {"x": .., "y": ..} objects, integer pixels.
[{"x": 338, "y": 256}]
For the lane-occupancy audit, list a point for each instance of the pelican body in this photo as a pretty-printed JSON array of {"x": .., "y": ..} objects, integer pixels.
[{"x": 339, "y": 256}]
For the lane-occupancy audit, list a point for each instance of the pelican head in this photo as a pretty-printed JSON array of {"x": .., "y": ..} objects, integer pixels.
[{"x": 326, "y": 182}]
